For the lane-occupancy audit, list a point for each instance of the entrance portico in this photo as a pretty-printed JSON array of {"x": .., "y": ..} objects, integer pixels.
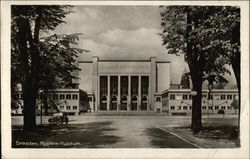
[{"x": 124, "y": 92}]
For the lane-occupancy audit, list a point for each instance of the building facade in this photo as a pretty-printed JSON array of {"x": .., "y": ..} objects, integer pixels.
[
  {"x": 126, "y": 85},
  {"x": 179, "y": 101}
]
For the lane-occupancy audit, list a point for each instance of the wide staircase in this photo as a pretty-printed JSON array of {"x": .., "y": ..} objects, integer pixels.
[{"x": 124, "y": 113}]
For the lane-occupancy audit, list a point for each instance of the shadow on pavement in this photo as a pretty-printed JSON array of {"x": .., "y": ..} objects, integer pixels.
[
  {"x": 88, "y": 135},
  {"x": 162, "y": 139}
]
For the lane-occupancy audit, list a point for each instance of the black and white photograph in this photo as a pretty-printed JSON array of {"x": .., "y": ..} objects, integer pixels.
[{"x": 164, "y": 77}]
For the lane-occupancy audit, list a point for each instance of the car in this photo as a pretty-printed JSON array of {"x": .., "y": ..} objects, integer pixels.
[{"x": 58, "y": 118}]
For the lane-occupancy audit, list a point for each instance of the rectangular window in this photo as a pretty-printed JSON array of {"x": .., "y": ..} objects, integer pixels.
[
  {"x": 229, "y": 108},
  {"x": 75, "y": 96},
  {"x": 89, "y": 99},
  {"x": 210, "y": 96},
  {"x": 185, "y": 97},
  {"x": 204, "y": 96},
  {"x": 61, "y": 107},
  {"x": 49, "y": 107},
  {"x": 190, "y": 107},
  {"x": 158, "y": 99},
  {"x": 190, "y": 96},
  {"x": 68, "y": 107},
  {"x": 55, "y": 96},
  {"x": 223, "y": 97},
  {"x": 184, "y": 107},
  {"x": 234, "y": 96},
  {"x": 172, "y": 96},
  {"x": 172, "y": 107},
  {"x": 216, "y": 108},
  {"x": 74, "y": 107},
  {"x": 210, "y": 107},
  {"x": 229, "y": 97},
  {"x": 178, "y": 107},
  {"x": 62, "y": 96},
  {"x": 223, "y": 107},
  {"x": 68, "y": 96},
  {"x": 204, "y": 107}
]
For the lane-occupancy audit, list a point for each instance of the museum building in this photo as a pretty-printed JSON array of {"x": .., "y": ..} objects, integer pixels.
[{"x": 128, "y": 85}]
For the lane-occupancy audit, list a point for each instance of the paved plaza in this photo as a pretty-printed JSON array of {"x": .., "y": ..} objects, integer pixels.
[{"x": 97, "y": 131}]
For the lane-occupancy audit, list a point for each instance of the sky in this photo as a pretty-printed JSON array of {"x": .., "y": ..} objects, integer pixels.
[{"x": 121, "y": 32}]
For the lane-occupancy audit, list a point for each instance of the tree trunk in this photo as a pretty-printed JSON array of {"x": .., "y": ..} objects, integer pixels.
[
  {"x": 235, "y": 61},
  {"x": 45, "y": 101},
  {"x": 29, "y": 121},
  {"x": 196, "y": 123}
]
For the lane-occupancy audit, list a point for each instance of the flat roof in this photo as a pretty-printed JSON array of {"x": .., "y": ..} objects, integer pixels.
[{"x": 124, "y": 61}]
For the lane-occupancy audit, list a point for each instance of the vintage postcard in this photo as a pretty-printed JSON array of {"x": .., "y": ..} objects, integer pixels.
[{"x": 125, "y": 79}]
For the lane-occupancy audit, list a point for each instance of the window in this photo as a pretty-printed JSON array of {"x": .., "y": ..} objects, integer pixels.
[
  {"x": 210, "y": 107},
  {"x": 55, "y": 96},
  {"x": 49, "y": 107},
  {"x": 158, "y": 99},
  {"x": 62, "y": 96},
  {"x": 223, "y": 107},
  {"x": 89, "y": 98},
  {"x": 185, "y": 96},
  {"x": 75, "y": 96},
  {"x": 204, "y": 107},
  {"x": 178, "y": 107},
  {"x": 210, "y": 96},
  {"x": 229, "y": 108},
  {"x": 74, "y": 107},
  {"x": 190, "y": 107},
  {"x": 172, "y": 96},
  {"x": 61, "y": 107},
  {"x": 216, "y": 107},
  {"x": 234, "y": 96},
  {"x": 185, "y": 107},
  {"x": 223, "y": 97},
  {"x": 204, "y": 96},
  {"x": 172, "y": 107},
  {"x": 190, "y": 96},
  {"x": 68, "y": 96},
  {"x": 229, "y": 97},
  {"x": 68, "y": 107}
]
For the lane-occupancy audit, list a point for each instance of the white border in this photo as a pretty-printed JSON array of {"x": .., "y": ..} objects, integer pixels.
[{"x": 236, "y": 153}]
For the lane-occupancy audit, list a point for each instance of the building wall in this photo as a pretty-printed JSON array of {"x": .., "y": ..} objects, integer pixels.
[
  {"x": 85, "y": 75},
  {"x": 209, "y": 106},
  {"x": 163, "y": 76}
]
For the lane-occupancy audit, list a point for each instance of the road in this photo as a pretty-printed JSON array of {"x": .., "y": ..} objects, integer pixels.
[{"x": 114, "y": 132}]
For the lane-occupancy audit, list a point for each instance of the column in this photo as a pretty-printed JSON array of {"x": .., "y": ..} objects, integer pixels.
[
  {"x": 129, "y": 93},
  {"x": 95, "y": 84},
  {"x": 108, "y": 96},
  {"x": 119, "y": 92},
  {"x": 139, "y": 93},
  {"x": 97, "y": 105},
  {"x": 152, "y": 83}
]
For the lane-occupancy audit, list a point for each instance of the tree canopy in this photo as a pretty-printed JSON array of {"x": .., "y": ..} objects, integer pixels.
[
  {"x": 204, "y": 35},
  {"x": 37, "y": 62}
]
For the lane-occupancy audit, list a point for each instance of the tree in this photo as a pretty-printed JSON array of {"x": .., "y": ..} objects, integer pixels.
[
  {"x": 235, "y": 104},
  {"x": 189, "y": 30},
  {"x": 27, "y": 24},
  {"x": 58, "y": 58}
]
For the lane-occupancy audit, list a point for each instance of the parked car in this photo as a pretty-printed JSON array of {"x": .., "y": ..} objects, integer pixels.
[{"x": 58, "y": 118}]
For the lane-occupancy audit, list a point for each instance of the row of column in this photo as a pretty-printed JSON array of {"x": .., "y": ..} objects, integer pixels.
[{"x": 119, "y": 93}]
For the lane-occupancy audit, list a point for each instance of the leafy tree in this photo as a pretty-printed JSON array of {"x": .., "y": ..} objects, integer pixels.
[
  {"x": 235, "y": 104},
  {"x": 27, "y": 24},
  {"x": 194, "y": 32},
  {"x": 58, "y": 52}
]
